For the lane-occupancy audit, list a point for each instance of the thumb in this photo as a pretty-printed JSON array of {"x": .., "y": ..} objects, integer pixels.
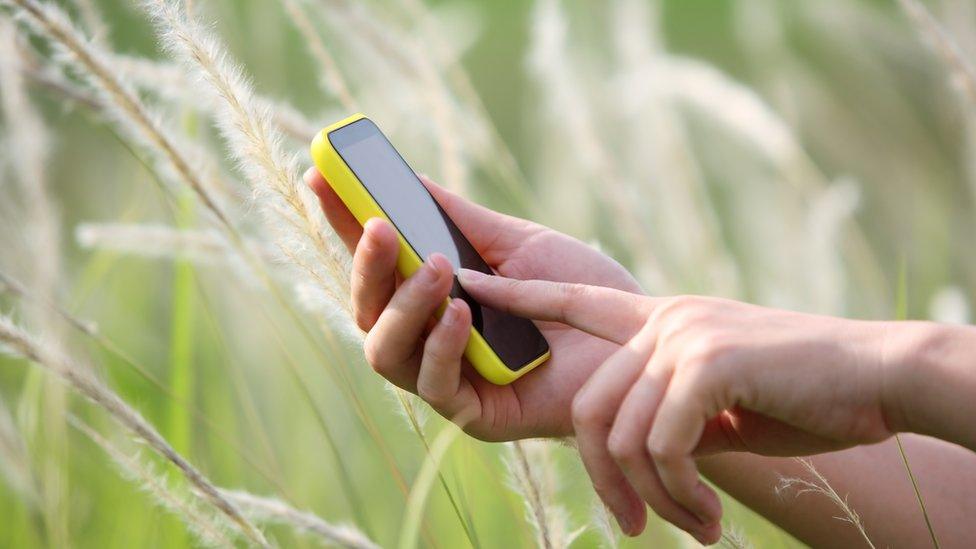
[{"x": 607, "y": 313}]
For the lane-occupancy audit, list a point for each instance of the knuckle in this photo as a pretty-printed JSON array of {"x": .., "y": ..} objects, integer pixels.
[
  {"x": 662, "y": 451},
  {"x": 586, "y": 412},
  {"x": 569, "y": 295},
  {"x": 624, "y": 450},
  {"x": 708, "y": 350},
  {"x": 375, "y": 356},
  {"x": 430, "y": 394}
]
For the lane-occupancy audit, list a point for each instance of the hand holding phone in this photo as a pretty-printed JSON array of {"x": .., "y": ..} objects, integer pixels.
[{"x": 373, "y": 180}]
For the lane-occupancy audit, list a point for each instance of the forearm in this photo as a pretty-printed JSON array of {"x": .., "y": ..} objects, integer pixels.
[
  {"x": 932, "y": 389},
  {"x": 876, "y": 484}
]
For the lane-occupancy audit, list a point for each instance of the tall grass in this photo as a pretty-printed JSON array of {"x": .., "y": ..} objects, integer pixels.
[{"x": 752, "y": 175}]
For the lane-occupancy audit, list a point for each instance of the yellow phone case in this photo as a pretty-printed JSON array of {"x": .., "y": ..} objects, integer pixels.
[{"x": 355, "y": 196}]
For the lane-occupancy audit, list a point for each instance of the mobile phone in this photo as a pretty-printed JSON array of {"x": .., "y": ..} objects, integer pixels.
[{"x": 373, "y": 180}]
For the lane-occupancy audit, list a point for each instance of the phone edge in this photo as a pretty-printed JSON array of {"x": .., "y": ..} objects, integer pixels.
[{"x": 363, "y": 207}]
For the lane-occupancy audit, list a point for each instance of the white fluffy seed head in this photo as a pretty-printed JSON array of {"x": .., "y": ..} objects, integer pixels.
[
  {"x": 290, "y": 209},
  {"x": 533, "y": 475}
]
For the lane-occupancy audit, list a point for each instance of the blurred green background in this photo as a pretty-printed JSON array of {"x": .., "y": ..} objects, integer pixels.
[{"x": 797, "y": 154}]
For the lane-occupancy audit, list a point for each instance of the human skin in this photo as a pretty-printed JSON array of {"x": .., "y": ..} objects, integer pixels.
[{"x": 681, "y": 378}]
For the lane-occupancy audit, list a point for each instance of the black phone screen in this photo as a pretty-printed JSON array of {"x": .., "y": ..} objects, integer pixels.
[{"x": 425, "y": 226}]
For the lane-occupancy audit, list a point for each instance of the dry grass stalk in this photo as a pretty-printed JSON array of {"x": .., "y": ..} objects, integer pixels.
[
  {"x": 569, "y": 109},
  {"x": 533, "y": 476},
  {"x": 963, "y": 73},
  {"x": 207, "y": 527},
  {"x": 273, "y": 511},
  {"x": 80, "y": 379},
  {"x": 733, "y": 538},
  {"x": 164, "y": 241},
  {"x": 253, "y": 142},
  {"x": 27, "y": 137},
  {"x": 118, "y": 98},
  {"x": 820, "y": 485},
  {"x": 91, "y": 18},
  {"x": 332, "y": 78},
  {"x": 170, "y": 82}
]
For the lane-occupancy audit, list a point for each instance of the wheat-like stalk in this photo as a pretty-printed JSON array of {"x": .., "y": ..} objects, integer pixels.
[
  {"x": 733, "y": 538},
  {"x": 252, "y": 141},
  {"x": 820, "y": 485},
  {"x": 28, "y": 138},
  {"x": 274, "y": 511},
  {"x": 116, "y": 95},
  {"x": 533, "y": 476},
  {"x": 91, "y": 17},
  {"x": 332, "y": 79},
  {"x": 79, "y": 378},
  {"x": 963, "y": 73},
  {"x": 209, "y": 529},
  {"x": 170, "y": 81}
]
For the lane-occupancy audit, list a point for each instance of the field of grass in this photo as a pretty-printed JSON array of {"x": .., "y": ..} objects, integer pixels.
[{"x": 181, "y": 369}]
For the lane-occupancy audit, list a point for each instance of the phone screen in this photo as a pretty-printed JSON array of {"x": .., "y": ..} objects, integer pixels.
[{"x": 425, "y": 226}]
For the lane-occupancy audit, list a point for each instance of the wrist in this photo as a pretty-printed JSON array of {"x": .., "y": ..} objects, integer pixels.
[
  {"x": 903, "y": 351},
  {"x": 928, "y": 383}
]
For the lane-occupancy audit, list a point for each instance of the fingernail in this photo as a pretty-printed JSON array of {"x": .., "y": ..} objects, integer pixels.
[
  {"x": 468, "y": 276},
  {"x": 450, "y": 314},
  {"x": 370, "y": 223},
  {"x": 431, "y": 272},
  {"x": 309, "y": 175}
]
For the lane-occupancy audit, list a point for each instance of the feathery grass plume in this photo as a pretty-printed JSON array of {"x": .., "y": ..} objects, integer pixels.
[
  {"x": 79, "y": 378},
  {"x": 15, "y": 463},
  {"x": 164, "y": 241},
  {"x": 91, "y": 18},
  {"x": 743, "y": 111},
  {"x": 170, "y": 82},
  {"x": 331, "y": 79},
  {"x": 733, "y": 538},
  {"x": 153, "y": 240},
  {"x": 90, "y": 330},
  {"x": 731, "y": 103},
  {"x": 659, "y": 160},
  {"x": 38, "y": 223},
  {"x": 962, "y": 72},
  {"x": 819, "y": 485},
  {"x": 9, "y": 285},
  {"x": 290, "y": 207},
  {"x": 27, "y": 137},
  {"x": 569, "y": 112},
  {"x": 266, "y": 510},
  {"x": 132, "y": 116},
  {"x": 210, "y": 529},
  {"x": 402, "y": 51},
  {"x": 950, "y": 305},
  {"x": 533, "y": 476}
]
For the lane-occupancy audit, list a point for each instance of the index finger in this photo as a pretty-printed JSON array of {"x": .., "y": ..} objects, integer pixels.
[{"x": 611, "y": 314}]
